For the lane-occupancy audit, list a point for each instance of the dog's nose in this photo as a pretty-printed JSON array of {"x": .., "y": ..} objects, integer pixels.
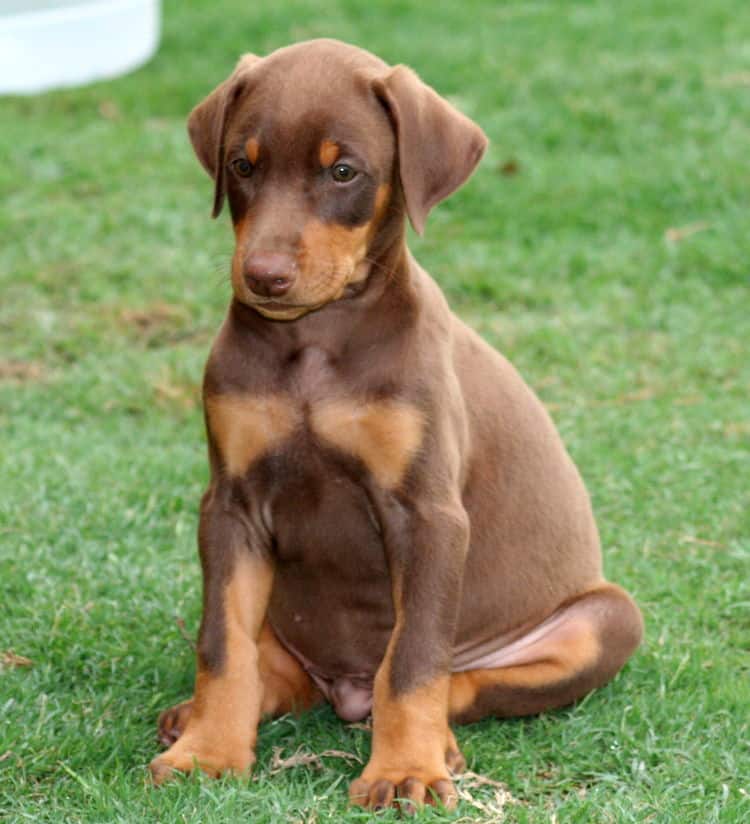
[{"x": 270, "y": 274}]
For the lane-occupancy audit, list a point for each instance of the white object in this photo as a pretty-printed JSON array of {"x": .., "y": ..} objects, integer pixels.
[{"x": 48, "y": 44}]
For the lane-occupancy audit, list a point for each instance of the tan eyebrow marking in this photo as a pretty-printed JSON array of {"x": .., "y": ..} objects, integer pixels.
[
  {"x": 252, "y": 148},
  {"x": 329, "y": 152}
]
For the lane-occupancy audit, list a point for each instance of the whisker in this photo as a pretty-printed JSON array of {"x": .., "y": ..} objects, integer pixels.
[
  {"x": 221, "y": 268},
  {"x": 223, "y": 262}
]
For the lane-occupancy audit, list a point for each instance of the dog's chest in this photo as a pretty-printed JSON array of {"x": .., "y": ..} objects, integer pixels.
[
  {"x": 316, "y": 412},
  {"x": 304, "y": 455}
]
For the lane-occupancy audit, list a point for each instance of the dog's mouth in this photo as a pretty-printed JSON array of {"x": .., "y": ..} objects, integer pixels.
[
  {"x": 282, "y": 310},
  {"x": 286, "y": 310},
  {"x": 315, "y": 291},
  {"x": 289, "y": 309},
  {"x": 277, "y": 304}
]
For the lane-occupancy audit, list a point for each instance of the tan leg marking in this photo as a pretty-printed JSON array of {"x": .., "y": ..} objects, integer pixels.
[
  {"x": 410, "y": 748},
  {"x": 590, "y": 642},
  {"x": 329, "y": 153},
  {"x": 411, "y": 739},
  {"x": 465, "y": 686},
  {"x": 384, "y": 435},
  {"x": 549, "y": 661},
  {"x": 247, "y": 426},
  {"x": 222, "y": 726},
  {"x": 286, "y": 688},
  {"x": 286, "y": 685}
]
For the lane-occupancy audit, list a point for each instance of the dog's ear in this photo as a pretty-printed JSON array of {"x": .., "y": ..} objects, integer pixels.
[
  {"x": 207, "y": 125},
  {"x": 438, "y": 147}
]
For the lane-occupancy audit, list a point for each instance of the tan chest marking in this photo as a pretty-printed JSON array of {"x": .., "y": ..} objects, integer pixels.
[
  {"x": 247, "y": 426},
  {"x": 384, "y": 435}
]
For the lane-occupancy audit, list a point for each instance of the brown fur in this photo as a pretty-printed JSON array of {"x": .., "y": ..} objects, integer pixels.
[{"x": 419, "y": 538}]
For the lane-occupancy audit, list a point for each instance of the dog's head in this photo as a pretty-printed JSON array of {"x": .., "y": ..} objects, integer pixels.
[{"x": 318, "y": 147}]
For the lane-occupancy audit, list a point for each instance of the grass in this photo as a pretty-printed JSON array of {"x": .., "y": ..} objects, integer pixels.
[{"x": 603, "y": 246}]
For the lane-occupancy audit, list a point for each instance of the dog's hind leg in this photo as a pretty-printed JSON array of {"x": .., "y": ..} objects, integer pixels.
[{"x": 577, "y": 649}]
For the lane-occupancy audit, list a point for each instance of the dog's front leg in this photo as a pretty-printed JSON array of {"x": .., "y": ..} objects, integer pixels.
[
  {"x": 237, "y": 577},
  {"x": 426, "y": 545}
]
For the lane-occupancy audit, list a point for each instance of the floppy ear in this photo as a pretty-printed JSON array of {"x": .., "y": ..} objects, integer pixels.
[
  {"x": 438, "y": 147},
  {"x": 208, "y": 121}
]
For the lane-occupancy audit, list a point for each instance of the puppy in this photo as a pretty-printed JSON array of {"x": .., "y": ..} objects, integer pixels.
[{"x": 392, "y": 523}]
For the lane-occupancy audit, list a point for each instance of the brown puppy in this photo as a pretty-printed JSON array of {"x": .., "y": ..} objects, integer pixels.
[{"x": 392, "y": 522}]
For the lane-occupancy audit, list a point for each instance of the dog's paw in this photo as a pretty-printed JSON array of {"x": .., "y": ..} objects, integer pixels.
[
  {"x": 455, "y": 761},
  {"x": 172, "y": 722},
  {"x": 407, "y": 792},
  {"x": 187, "y": 755}
]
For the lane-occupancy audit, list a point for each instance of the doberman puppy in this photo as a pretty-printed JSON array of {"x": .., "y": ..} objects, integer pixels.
[{"x": 392, "y": 522}]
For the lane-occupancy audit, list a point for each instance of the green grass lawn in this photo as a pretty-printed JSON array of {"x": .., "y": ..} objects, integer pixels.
[{"x": 603, "y": 245}]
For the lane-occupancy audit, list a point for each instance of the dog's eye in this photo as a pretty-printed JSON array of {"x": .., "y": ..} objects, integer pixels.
[
  {"x": 242, "y": 166},
  {"x": 343, "y": 173}
]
